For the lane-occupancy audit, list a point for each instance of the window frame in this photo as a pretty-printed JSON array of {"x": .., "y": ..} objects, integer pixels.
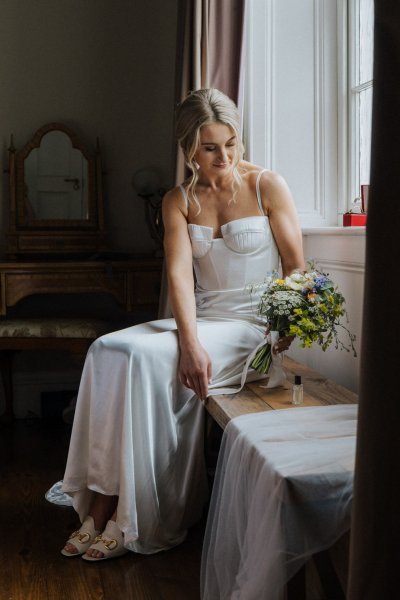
[
  {"x": 344, "y": 147},
  {"x": 347, "y": 170},
  {"x": 353, "y": 89}
]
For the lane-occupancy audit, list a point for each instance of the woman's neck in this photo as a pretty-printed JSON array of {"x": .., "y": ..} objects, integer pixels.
[{"x": 215, "y": 183}]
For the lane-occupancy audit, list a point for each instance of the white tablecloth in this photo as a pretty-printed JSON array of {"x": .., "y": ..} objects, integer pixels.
[{"x": 282, "y": 491}]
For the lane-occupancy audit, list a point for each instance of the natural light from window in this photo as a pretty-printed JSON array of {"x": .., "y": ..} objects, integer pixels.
[
  {"x": 361, "y": 89},
  {"x": 308, "y": 100}
]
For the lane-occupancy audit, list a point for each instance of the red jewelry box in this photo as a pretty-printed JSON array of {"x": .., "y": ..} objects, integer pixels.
[{"x": 354, "y": 219}]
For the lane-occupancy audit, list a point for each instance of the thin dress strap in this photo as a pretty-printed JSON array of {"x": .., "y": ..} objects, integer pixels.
[
  {"x": 184, "y": 194},
  {"x": 258, "y": 193}
]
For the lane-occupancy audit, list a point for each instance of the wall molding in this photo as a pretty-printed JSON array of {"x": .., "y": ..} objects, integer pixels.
[
  {"x": 319, "y": 113},
  {"x": 341, "y": 253},
  {"x": 341, "y": 265}
]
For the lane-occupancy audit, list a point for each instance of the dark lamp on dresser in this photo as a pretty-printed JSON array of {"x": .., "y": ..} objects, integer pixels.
[{"x": 146, "y": 183}]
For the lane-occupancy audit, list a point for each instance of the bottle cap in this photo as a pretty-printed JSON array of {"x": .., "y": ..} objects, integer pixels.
[{"x": 297, "y": 380}]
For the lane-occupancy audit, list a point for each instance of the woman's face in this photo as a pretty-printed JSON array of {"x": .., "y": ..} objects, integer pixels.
[{"x": 217, "y": 150}]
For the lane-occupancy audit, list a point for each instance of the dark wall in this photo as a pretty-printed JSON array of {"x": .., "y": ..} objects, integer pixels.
[{"x": 104, "y": 68}]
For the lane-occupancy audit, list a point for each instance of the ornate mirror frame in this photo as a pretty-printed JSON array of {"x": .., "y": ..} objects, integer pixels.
[{"x": 32, "y": 235}]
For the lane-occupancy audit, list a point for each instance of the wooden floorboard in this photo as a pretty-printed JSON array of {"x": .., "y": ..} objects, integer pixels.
[{"x": 32, "y": 531}]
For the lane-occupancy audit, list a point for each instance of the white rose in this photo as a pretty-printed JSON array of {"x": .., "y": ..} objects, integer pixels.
[{"x": 295, "y": 281}]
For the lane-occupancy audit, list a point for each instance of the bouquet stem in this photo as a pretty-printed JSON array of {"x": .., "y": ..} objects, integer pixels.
[{"x": 262, "y": 360}]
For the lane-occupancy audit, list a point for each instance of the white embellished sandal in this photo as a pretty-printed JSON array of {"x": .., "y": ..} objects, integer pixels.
[
  {"x": 110, "y": 543},
  {"x": 82, "y": 538}
]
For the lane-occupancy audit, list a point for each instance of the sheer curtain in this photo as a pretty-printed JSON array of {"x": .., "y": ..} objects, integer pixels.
[
  {"x": 375, "y": 532},
  {"x": 209, "y": 54}
]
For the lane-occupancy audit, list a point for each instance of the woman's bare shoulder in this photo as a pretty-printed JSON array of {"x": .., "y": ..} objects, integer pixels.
[
  {"x": 247, "y": 168},
  {"x": 275, "y": 193},
  {"x": 174, "y": 199},
  {"x": 273, "y": 186},
  {"x": 269, "y": 178},
  {"x": 272, "y": 181},
  {"x": 250, "y": 171}
]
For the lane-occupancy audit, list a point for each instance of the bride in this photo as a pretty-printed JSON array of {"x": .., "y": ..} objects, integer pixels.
[{"x": 135, "y": 468}]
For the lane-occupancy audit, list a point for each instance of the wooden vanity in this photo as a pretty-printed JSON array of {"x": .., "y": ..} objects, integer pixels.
[
  {"x": 134, "y": 282},
  {"x": 57, "y": 247},
  {"x": 57, "y": 240}
]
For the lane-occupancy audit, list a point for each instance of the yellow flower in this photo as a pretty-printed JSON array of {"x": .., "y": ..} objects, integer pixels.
[
  {"x": 308, "y": 324},
  {"x": 279, "y": 281},
  {"x": 294, "y": 330}
]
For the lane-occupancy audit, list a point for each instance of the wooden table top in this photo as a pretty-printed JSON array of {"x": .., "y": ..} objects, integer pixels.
[{"x": 318, "y": 391}]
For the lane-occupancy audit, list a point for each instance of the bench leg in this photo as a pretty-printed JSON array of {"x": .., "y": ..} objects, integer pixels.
[
  {"x": 296, "y": 586},
  {"x": 6, "y": 363},
  {"x": 328, "y": 576},
  {"x": 212, "y": 442}
]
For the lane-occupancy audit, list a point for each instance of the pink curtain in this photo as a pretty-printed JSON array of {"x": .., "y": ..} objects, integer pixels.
[
  {"x": 209, "y": 54},
  {"x": 375, "y": 532}
]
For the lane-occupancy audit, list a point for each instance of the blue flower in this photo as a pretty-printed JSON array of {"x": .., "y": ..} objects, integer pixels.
[{"x": 320, "y": 282}]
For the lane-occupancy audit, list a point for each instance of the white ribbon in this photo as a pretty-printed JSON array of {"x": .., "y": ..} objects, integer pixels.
[{"x": 275, "y": 373}]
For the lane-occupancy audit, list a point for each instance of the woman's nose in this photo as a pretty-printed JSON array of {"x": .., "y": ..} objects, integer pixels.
[{"x": 223, "y": 154}]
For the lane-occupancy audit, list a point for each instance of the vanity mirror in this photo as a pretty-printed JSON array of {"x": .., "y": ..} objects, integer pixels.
[{"x": 56, "y": 200}]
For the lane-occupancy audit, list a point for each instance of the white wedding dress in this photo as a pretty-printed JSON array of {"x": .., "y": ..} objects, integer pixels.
[{"x": 138, "y": 432}]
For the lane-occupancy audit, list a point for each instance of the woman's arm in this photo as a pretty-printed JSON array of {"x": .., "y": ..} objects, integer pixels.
[
  {"x": 194, "y": 364},
  {"x": 279, "y": 206}
]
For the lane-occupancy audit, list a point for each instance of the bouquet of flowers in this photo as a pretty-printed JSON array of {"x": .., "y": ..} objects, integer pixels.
[{"x": 306, "y": 305}]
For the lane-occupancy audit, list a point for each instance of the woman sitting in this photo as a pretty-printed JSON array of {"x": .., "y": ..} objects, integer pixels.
[{"x": 135, "y": 466}]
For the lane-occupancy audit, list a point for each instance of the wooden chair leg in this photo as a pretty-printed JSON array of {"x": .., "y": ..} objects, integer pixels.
[{"x": 6, "y": 364}]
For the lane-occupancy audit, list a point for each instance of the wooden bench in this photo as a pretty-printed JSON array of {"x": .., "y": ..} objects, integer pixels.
[
  {"x": 330, "y": 565},
  {"x": 71, "y": 334},
  {"x": 318, "y": 391}
]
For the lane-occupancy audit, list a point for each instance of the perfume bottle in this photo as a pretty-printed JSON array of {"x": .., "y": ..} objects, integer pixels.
[{"x": 297, "y": 393}]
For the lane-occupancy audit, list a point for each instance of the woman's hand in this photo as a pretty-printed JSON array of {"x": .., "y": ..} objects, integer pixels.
[
  {"x": 195, "y": 369},
  {"x": 283, "y": 344}
]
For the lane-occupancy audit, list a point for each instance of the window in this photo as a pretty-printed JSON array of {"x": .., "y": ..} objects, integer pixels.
[
  {"x": 308, "y": 99},
  {"x": 361, "y": 25}
]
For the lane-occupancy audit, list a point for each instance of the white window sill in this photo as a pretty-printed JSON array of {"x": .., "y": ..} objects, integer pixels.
[{"x": 358, "y": 231}]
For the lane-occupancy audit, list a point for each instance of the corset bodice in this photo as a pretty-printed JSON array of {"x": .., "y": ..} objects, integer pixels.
[{"x": 226, "y": 266}]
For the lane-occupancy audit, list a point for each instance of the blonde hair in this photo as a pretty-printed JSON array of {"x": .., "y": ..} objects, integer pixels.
[{"x": 203, "y": 107}]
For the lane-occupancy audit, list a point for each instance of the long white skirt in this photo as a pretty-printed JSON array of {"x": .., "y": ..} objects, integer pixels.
[{"x": 138, "y": 432}]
